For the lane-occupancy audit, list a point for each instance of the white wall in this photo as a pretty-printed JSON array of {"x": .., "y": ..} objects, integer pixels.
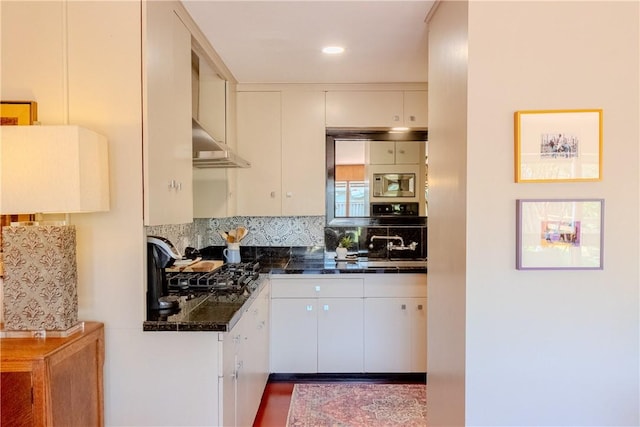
[
  {"x": 544, "y": 347},
  {"x": 151, "y": 378}
]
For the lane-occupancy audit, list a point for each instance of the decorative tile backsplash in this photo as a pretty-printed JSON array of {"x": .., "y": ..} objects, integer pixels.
[
  {"x": 263, "y": 231},
  {"x": 299, "y": 231}
]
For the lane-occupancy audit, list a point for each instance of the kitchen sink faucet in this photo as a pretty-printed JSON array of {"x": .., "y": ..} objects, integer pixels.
[{"x": 391, "y": 246}]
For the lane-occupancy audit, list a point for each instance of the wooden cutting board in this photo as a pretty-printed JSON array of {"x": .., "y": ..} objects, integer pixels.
[{"x": 200, "y": 267}]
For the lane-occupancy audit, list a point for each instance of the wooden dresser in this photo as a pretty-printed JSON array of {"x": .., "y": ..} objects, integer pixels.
[{"x": 53, "y": 381}]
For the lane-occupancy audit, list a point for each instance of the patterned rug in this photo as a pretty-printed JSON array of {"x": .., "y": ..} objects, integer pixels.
[{"x": 358, "y": 405}]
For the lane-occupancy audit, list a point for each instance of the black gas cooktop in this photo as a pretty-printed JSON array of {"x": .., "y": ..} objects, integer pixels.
[{"x": 229, "y": 279}]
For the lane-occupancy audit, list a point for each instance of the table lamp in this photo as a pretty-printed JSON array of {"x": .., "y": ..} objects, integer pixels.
[{"x": 46, "y": 170}]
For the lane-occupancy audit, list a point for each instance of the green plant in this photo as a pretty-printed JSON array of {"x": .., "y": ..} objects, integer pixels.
[{"x": 345, "y": 241}]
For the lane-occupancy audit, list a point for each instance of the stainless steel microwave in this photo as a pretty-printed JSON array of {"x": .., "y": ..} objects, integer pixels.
[{"x": 394, "y": 184}]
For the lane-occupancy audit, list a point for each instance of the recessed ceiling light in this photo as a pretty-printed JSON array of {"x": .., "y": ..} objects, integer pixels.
[{"x": 332, "y": 49}]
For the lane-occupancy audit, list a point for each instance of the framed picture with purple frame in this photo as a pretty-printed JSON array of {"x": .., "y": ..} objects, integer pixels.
[{"x": 559, "y": 234}]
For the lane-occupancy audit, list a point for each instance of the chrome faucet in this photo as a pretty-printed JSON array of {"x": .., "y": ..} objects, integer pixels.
[{"x": 391, "y": 246}]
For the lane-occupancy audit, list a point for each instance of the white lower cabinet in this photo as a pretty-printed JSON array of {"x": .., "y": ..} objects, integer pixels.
[
  {"x": 395, "y": 320},
  {"x": 373, "y": 323},
  {"x": 245, "y": 364},
  {"x": 395, "y": 334},
  {"x": 316, "y": 324}
]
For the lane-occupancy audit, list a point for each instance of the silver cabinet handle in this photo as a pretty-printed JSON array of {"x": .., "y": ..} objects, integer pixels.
[
  {"x": 326, "y": 307},
  {"x": 309, "y": 308},
  {"x": 317, "y": 288}
]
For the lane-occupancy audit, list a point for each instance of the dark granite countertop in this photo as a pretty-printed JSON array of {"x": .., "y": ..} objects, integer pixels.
[
  {"x": 219, "y": 313},
  {"x": 205, "y": 312}
]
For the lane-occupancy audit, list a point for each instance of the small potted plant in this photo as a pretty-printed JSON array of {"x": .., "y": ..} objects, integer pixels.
[{"x": 343, "y": 246}]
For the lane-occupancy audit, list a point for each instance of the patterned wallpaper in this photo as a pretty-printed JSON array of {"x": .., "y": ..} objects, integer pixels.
[{"x": 263, "y": 231}]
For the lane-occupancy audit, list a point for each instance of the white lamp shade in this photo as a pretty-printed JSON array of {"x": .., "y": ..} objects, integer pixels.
[{"x": 53, "y": 169}]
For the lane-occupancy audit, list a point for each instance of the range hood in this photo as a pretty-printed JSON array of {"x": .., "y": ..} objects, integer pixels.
[{"x": 209, "y": 153}]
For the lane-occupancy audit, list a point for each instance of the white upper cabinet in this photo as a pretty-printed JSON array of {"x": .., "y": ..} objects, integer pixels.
[
  {"x": 259, "y": 141},
  {"x": 415, "y": 108},
  {"x": 364, "y": 109},
  {"x": 282, "y": 134},
  {"x": 303, "y": 153},
  {"x": 395, "y": 153},
  {"x": 167, "y": 146},
  {"x": 376, "y": 108}
]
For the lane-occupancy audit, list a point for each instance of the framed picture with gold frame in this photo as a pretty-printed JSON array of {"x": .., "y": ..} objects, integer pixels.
[
  {"x": 18, "y": 113},
  {"x": 558, "y": 145}
]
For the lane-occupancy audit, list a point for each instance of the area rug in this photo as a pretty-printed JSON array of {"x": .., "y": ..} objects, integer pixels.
[{"x": 358, "y": 405}]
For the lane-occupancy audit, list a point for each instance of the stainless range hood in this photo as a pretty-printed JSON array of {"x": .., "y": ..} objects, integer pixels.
[{"x": 209, "y": 153}]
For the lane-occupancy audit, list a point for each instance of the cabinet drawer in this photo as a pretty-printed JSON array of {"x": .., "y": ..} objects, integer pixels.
[
  {"x": 317, "y": 288},
  {"x": 395, "y": 285}
]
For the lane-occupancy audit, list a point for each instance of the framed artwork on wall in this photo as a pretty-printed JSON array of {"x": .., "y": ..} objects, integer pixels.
[
  {"x": 559, "y": 234},
  {"x": 558, "y": 145},
  {"x": 18, "y": 113}
]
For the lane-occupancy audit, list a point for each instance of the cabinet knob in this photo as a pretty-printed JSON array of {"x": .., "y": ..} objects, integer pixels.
[
  {"x": 309, "y": 308},
  {"x": 403, "y": 306},
  {"x": 390, "y": 151},
  {"x": 317, "y": 288},
  {"x": 326, "y": 307},
  {"x": 419, "y": 306},
  {"x": 172, "y": 184},
  {"x": 396, "y": 118},
  {"x": 273, "y": 194},
  {"x": 412, "y": 118},
  {"x": 401, "y": 151},
  {"x": 289, "y": 195}
]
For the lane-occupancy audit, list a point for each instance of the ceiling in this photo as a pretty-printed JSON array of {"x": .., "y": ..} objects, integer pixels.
[{"x": 281, "y": 41}]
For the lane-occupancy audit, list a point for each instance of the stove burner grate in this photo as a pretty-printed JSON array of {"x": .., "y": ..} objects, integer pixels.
[{"x": 229, "y": 278}]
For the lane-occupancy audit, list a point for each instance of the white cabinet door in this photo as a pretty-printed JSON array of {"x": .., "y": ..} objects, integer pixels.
[
  {"x": 259, "y": 141},
  {"x": 228, "y": 388},
  {"x": 415, "y": 108},
  {"x": 382, "y": 152},
  {"x": 340, "y": 335},
  {"x": 395, "y": 153},
  {"x": 408, "y": 152},
  {"x": 254, "y": 357},
  {"x": 282, "y": 134},
  {"x": 317, "y": 324},
  {"x": 418, "y": 308},
  {"x": 168, "y": 195},
  {"x": 245, "y": 363},
  {"x": 395, "y": 319},
  {"x": 364, "y": 108},
  {"x": 303, "y": 153},
  {"x": 294, "y": 335},
  {"x": 387, "y": 335}
]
